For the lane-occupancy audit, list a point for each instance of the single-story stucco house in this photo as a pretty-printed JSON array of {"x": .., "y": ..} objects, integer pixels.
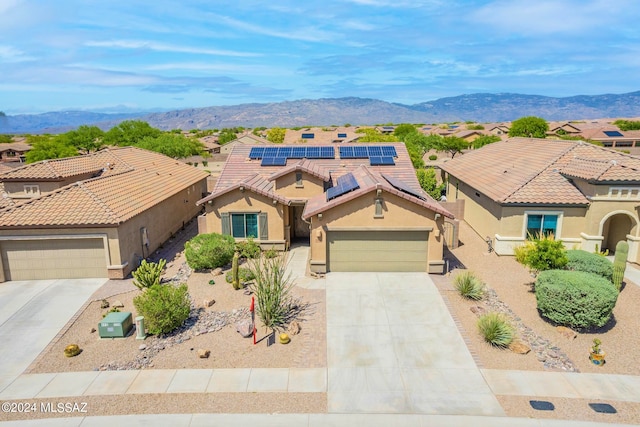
[
  {"x": 585, "y": 195},
  {"x": 359, "y": 207},
  {"x": 93, "y": 216}
]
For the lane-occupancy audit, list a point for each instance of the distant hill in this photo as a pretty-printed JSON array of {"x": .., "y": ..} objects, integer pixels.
[{"x": 482, "y": 107}]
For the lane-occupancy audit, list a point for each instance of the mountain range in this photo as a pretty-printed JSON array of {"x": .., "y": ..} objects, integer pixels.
[{"x": 481, "y": 107}]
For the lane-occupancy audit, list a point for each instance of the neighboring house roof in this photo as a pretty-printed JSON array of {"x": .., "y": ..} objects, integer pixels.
[
  {"x": 316, "y": 135},
  {"x": 104, "y": 162},
  {"x": 369, "y": 181},
  {"x": 111, "y": 199},
  {"x": 535, "y": 171},
  {"x": 15, "y": 146}
]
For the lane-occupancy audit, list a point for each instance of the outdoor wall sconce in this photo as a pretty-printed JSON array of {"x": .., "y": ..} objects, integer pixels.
[
  {"x": 319, "y": 216},
  {"x": 378, "y": 192},
  {"x": 436, "y": 216},
  {"x": 275, "y": 202},
  {"x": 242, "y": 189},
  {"x": 319, "y": 235}
]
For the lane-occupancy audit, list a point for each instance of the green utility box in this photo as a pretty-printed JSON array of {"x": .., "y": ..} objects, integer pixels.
[{"x": 115, "y": 325}]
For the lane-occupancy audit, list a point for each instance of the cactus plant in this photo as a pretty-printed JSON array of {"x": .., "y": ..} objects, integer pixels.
[
  {"x": 622, "y": 251},
  {"x": 72, "y": 350},
  {"x": 148, "y": 274},
  {"x": 234, "y": 270},
  {"x": 620, "y": 263}
]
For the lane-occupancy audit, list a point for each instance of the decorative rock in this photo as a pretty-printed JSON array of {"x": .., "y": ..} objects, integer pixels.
[
  {"x": 203, "y": 354},
  {"x": 284, "y": 339},
  {"x": 519, "y": 347},
  {"x": 217, "y": 271},
  {"x": 294, "y": 328},
  {"x": 93, "y": 330},
  {"x": 478, "y": 310},
  {"x": 104, "y": 304},
  {"x": 569, "y": 334},
  {"x": 142, "y": 347},
  {"x": 208, "y": 302},
  {"x": 245, "y": 328},
  {"x": 117, "y": 304}
]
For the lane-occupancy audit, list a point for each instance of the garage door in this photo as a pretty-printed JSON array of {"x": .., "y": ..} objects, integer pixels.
[
  {"x": 377, "y": 250},
  {"x": 53, "y": 259}
]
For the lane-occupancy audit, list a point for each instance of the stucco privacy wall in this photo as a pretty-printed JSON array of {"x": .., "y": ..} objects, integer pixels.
[
  {"x": 359, "y": 214},
  {"x": 236, "y": 201}
]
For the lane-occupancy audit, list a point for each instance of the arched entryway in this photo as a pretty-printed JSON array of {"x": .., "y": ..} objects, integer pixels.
[{"x": 615, "y": 227}]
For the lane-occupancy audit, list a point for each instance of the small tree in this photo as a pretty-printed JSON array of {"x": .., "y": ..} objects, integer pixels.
[
  {"x": 453, "y": 145},
  {"x": 148, "y": 274},
  {"x": 530, "y": 126},
  {"x": 272, "y": 288},
  {"x": 276, "y": 135},
  {"x": 429, "y": 183},
  {"x": 542, "y": 253}
]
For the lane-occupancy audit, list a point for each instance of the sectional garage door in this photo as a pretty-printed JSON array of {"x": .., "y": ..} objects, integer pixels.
[
  {"x": 377, "y": 250},
  {"x": 53, "y": 259}
]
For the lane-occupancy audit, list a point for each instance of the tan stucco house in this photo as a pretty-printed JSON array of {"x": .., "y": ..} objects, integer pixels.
[
  {"x": 93, "y": 216},
  {"x": 587, "y": 196},
  {"x": 356, "y": 214}
]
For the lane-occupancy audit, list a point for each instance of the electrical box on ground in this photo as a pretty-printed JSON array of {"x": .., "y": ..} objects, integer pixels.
[{"x": 115, "y": 325}]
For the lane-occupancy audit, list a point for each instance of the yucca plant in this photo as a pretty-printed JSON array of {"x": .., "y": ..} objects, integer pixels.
[
  {"x": 469, "y": 285},
  {"x": 148, "y": 274},
  {"x": 496, "y": 329},
  {"x": 272, "y": 288}
]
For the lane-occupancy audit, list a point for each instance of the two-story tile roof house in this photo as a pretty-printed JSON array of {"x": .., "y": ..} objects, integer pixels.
[
  {"x": 93, "y": 216},
  {"x": 359, "y": 207}
]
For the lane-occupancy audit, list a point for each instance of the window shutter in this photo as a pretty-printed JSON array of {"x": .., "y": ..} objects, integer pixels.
[
  {"x": 264, "y": 226},
  {"x": 226, "y": 224}
]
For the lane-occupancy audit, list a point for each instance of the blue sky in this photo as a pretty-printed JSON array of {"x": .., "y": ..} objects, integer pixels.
[{"x": 159, "y": 54}]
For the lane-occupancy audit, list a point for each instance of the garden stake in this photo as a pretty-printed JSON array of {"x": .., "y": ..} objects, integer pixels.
[{"x": 253, "y": 319}]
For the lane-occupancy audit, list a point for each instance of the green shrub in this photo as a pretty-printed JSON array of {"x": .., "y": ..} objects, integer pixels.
[
  {"x": 575, "y": 298},
  {"x": 580, "y": 260},
  {"x": 209, "y": 251},
  {"x": 244, "y": 274},
  {"x": 164, "y": 307},
  {"x": 540, "y": 254},
  {"x": 248, "y": 248},
  {"x": 148, "y": 274},
  {"x": 270, "y": 253},
  {"x": 469, "y": 286},
  {"x": 433, "y": 157},
  {"x": 496, "y": 329}
]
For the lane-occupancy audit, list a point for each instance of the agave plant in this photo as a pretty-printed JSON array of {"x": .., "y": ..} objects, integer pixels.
[
  {"x": 469, "y": 285},
  {"x": 496, "y": 329}
]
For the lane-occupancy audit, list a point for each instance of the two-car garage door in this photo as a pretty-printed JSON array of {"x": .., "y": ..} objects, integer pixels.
[
  {"x": 53, "y": 259},
  {"x": 377, "y": 250}
]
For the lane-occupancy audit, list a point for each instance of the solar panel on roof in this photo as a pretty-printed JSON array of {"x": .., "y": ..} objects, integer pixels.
[
  {"x": 360, "y": 152},
  {"x": 298, "y": 152},
  {"x": 327, "y": 153},
  {"x": 273, "y": 161},
  {"x": 389, "y": 150},
  {"x": 344, "y": 184},
  {"x": 381, "y": 161},
  {"x": 270, "y": 152},
  {"x": 401, "y": 186},
  {"x": 284, "y": 151},
  {"x": 342, "y": 135},
  {"x": 374, "y": 150},
  {"x": 346, "y": 152},
  {"x": 308, "y": 136},
  {"x": 612, "y": 133},
  {"x": 256, "y": 153},
  {"x": 313, "y": 153}
]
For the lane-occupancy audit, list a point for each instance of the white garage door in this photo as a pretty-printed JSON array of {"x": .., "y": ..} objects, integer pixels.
[
  {"x": 377, "y": 250},
  {"x": 53, "y": 259}
]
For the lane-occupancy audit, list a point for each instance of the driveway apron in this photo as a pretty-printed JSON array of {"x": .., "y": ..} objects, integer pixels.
[{"x": 394, "y": 348}]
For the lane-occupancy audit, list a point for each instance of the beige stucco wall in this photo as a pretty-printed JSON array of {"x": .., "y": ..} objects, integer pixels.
[
  {"x": 359, "y": 213},
  {"x": 311, "y": 186},
  {"x": 109, "y": 234},
  {"x": 247, "y": 202},
  {"x": 480, "y": 212},
  {"x": 161, "y": 222}
]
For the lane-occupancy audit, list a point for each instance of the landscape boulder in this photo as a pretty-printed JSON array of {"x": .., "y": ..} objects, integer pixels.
[
  {"x": 203, "y": 354},
  {"x": 245, "y": 328}
]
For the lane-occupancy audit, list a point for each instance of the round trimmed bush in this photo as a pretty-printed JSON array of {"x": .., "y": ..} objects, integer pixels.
[
  {"x": 207, "y": 251},
  {"x": 575, "y": 299},
  {"x": 433, "y": 157},
  {"x": 580, "y": 260},
  {"x": 164, "y": 307}
]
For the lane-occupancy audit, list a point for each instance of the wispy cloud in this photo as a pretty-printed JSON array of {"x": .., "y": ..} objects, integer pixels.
[
  {"x": 163, "y": 47},
  {"x": 11, "y": 54}
]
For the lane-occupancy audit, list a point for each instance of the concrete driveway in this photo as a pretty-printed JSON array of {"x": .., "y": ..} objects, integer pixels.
[
  {"x": 31, "y": 315},
  {"x": 394, "y": 348}
]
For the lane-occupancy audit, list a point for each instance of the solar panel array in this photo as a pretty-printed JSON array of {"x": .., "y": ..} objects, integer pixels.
[
  {"x": 381, "y": 161},
  {"x": 366, "y": 151},
  {"x": 285, "y": 153},
  {"x": 612, "y": 133},
  {"x": 273, "y": 161},
  {"x": 345, "y": 184},
  {"x": 401, "y": 186}
]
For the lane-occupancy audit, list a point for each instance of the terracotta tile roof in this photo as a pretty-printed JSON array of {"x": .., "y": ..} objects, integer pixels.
[
  {"x": 304, "y": 165},
  {"x": 59, "y": 169},
  {"x": 369, "y": 181},
  {"x": 321, "y": 135},
  {"x": 15, "y": 146},
  {"x": 534, "y": 171},
  {"x": 111, "y": 199},
  {"x": 255, "y": 183}
]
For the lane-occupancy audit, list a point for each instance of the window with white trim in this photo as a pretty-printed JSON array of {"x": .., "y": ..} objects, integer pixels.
[{"x": 32, "y": 190}]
